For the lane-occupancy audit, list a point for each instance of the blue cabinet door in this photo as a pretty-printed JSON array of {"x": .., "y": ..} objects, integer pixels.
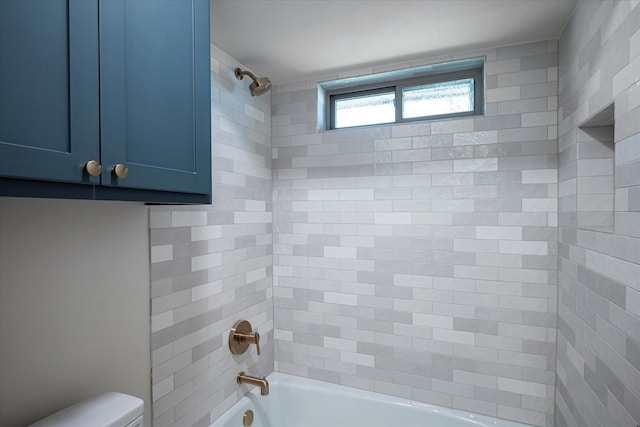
[
  {"x": 155, "y": 94},
  {"x": 49, "y": 108}
]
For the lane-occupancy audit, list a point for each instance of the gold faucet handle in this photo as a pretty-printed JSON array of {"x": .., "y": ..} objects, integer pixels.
[
  {"x": 257, "y": 341},
  {"x": 253, "y": 338},
  {"x": 241, "y": 336}
]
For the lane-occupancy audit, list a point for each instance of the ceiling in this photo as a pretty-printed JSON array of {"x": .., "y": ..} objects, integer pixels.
[{"x": 292, "y": 40}]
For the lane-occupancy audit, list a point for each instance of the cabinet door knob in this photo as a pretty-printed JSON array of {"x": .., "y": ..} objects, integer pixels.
[
  {"x": 93, "y": 168},
  {"x": 120, "y": 170}
]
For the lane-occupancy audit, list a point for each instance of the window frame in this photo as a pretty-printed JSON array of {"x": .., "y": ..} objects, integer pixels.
[{"x": 396, "y": 86}]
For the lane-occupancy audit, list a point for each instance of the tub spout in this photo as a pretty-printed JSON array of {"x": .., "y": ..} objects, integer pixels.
[{"x": 263, "y": 383}]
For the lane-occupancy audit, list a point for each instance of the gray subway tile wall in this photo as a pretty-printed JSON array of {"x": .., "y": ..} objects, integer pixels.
[
  {"x": 440, "y": 261},
  {"x": 598, "y": 377},
  {"x": 419, "y": 260},
  {"x": 211, "y": 265}
]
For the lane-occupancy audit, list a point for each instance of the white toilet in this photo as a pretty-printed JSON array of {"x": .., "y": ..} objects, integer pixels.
[{"x": 106, "y": 410}]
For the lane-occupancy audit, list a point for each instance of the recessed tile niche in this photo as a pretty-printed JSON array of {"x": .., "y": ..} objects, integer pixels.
[{"x": 595, "y": 175}]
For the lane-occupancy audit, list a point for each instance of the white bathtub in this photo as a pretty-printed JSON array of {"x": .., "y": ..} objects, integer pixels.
[{"x": 301, "y": 402}]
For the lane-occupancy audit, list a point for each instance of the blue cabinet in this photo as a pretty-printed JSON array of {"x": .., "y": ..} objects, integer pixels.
[
  {"x": 49, "y": 89},
  {"x": 122, "y": 83}
]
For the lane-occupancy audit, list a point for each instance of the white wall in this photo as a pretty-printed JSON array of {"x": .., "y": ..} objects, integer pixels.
[{"x": 74, "y": 304}]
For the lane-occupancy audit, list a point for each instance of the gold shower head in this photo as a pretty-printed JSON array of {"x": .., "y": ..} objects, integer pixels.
[{"x": 259, "y": 86}]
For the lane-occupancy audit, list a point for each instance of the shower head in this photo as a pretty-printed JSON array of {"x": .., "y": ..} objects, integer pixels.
[{"x": 259, "y": 86}]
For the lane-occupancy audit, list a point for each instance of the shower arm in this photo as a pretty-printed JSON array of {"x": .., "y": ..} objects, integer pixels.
[{"x": 240, "y": 74}]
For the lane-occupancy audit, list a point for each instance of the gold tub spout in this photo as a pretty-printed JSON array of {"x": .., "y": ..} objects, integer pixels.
[{"x": 262, "y": 383}]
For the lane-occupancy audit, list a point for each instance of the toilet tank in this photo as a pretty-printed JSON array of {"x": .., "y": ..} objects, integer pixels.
[{"x": 106, "y": 410}]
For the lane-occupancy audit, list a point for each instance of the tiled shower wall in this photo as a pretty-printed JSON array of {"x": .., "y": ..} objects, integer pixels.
[
  {"x": 598, "y": 369},
  {"x": 419, "y": 260},
  {"x": 211, "y": 265}
]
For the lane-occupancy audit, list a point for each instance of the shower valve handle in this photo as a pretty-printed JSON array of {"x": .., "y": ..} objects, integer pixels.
[
  {"x": 257, "y": 337},
  {"x": 241, "y": 336},
  {"x": 252, "y": 338}
]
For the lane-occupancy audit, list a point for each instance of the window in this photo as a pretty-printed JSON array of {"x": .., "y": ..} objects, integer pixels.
[
  {"x": 434, "y": 99},
  {"x": 364, "y": 108},
  {"x": 438, "y": 91}
]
